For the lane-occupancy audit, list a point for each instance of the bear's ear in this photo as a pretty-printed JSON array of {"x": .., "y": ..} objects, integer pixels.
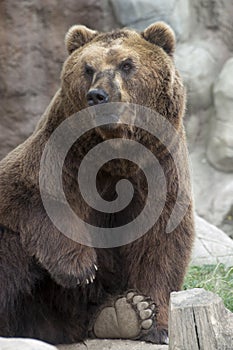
[
  {"x": 78, "y": 36},
  {"x": 161, "y": 35}
]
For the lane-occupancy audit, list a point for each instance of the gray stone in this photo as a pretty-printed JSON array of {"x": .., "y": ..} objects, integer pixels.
[
  {"x": 220, "y": 147},
  {"x": 23, "y": 344},
  {"x": 192, "y": 127},
  {"x": 199, "y": 65},
  {"x": 30, "y": 63},
  {"x": 222, "y": 206},
  {"x": 213, "y": 190},
  {"x": 135, "y": 12},
  {"x": 214, "y": 16},
  {"x": 181, "y": 20},
  {"x": 139, "y": 14},
  {"x": 212, "y": 246},
  {"x": 113, "y": 345},
  {"x": 95, "y": 344}
]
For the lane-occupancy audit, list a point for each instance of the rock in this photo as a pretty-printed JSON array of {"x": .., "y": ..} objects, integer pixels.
[
  {"x": 139, "y": 14},
  {"x": 30, "y": 62},
  {"x": 222, "y": 206},
  {"x": 212, "y": 190},
  {"x": 220, "y": 147},
  {"x": 192, "y": 128},
  {"x": 95, "y": 344},
  {"x": 199, "y": 320},
  {"x": 199, "y": 65},
  {"x": 113, "y": 345},
  {"x": 215, "y": 16},
  {"x": 23, "y": 344},
  {"x": 212, "y": 246}
]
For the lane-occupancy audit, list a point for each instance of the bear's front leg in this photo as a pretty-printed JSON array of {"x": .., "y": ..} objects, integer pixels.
[
  {"x": 76, "y": 264},
  {"x": 155, "y": 265},
  {"x": 68, "y": 262}
]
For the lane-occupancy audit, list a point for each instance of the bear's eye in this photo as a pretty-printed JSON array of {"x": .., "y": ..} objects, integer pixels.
[
  {"x": 89, "y": 70},
  {"x": 126, "y": 66}
]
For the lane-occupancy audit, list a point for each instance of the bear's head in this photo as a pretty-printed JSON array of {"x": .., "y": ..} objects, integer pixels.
[{"x": 124, "y": 66}]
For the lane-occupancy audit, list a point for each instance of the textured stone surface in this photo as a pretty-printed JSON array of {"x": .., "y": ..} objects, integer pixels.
[
  {"x": 32, "y": 344},
  {"x": 113, "y": 345},
  {"x": 31, "y": 56},
  {"x": 23, "y": 344},
  {"x": 220, "y": 148},
  {"x": 215, "y": 16},
  {"x": 141, "y": 13},
  {"x": 199, "y": 71},
  {"x": 212, "y": 246},
  {"x": 213, "y": 190}
]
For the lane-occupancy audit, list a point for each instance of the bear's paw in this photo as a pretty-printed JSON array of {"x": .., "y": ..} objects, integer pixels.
[{"x": 132, "y": 316}]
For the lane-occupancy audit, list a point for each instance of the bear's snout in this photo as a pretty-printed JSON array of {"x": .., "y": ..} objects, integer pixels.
[{"x": 97, "y": 96}]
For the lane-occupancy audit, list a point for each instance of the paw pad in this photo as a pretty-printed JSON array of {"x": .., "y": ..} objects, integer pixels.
[{"x": 126, "y": 317}]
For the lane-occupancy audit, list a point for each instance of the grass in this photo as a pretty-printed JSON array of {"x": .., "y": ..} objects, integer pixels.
[{"x": 215, "y": 278}]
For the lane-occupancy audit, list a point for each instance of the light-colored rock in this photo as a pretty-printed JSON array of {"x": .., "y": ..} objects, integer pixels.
[
  {"x": 30, "y": 63},
  {"x": 199, "y": 63},
  {"x": 181, "y": 20},
  {"x": 139, "y": 14},
  {"x": 214, "y": 16},
  {"x": 95, "y": 344},
  {"x": 212, "y": 246},
  {"x": 23, "y": 344},
  {"x": 222, "y": 206},
  {"x": 113, "y": 345},
  {"x": 213, "y": 191},
  {"x": 192, "y": 127},
  {"x": 220, "y": 147}
]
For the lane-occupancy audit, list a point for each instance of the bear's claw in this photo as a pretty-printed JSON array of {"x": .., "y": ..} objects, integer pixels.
[{"x": 72, "y": 281}]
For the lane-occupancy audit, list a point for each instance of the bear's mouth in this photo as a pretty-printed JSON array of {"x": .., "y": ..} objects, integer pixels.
[
  {"x": 110, "y": 126},
  {"x": 112, "y": 121},
  {"x": 111, "y": 130}
]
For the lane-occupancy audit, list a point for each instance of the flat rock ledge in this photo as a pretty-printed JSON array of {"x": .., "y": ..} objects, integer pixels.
[
  {"x": 96, "y": 344},
  {"x": 109, "y": 344}
]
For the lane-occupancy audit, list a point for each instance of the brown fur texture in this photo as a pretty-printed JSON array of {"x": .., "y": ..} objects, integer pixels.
[{"x": 43, "y": 292}]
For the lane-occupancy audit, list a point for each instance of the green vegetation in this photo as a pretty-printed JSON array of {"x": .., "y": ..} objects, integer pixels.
[{"x": 215, "y": 278}]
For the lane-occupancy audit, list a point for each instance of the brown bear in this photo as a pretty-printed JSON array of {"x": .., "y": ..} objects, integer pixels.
[{"x": 54, "y": 288}]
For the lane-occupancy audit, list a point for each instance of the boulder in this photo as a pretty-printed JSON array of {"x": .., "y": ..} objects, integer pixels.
[
  {"x": 213, "y": 190},
  {"x": 212, "y": 246},
  {"x": 31, "y": 57},
  {"x": 139, "y": 14},
  {"x": 199, "y": 63},
  {"x": 222, "y": 206},
  {"x": 214, "y": 16},
  {"x": 24, "y": 344},
  {"x": 110, "y": 344},
  {"x": 220, "y": 146}
]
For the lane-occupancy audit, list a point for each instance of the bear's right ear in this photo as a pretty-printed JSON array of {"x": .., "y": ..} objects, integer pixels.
[{"x": 78, "y": 36}]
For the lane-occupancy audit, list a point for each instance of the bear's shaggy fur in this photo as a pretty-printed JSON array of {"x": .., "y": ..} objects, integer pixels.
[{"x": 43, "y": 273}]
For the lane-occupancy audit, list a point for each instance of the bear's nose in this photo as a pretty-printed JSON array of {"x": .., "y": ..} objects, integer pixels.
[{"x": 97, "y": 96}]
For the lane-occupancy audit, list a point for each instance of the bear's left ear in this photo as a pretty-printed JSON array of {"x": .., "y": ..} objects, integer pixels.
[
  {"x": 161, "y": 35},
  {"x": 78, "y": 36}
]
